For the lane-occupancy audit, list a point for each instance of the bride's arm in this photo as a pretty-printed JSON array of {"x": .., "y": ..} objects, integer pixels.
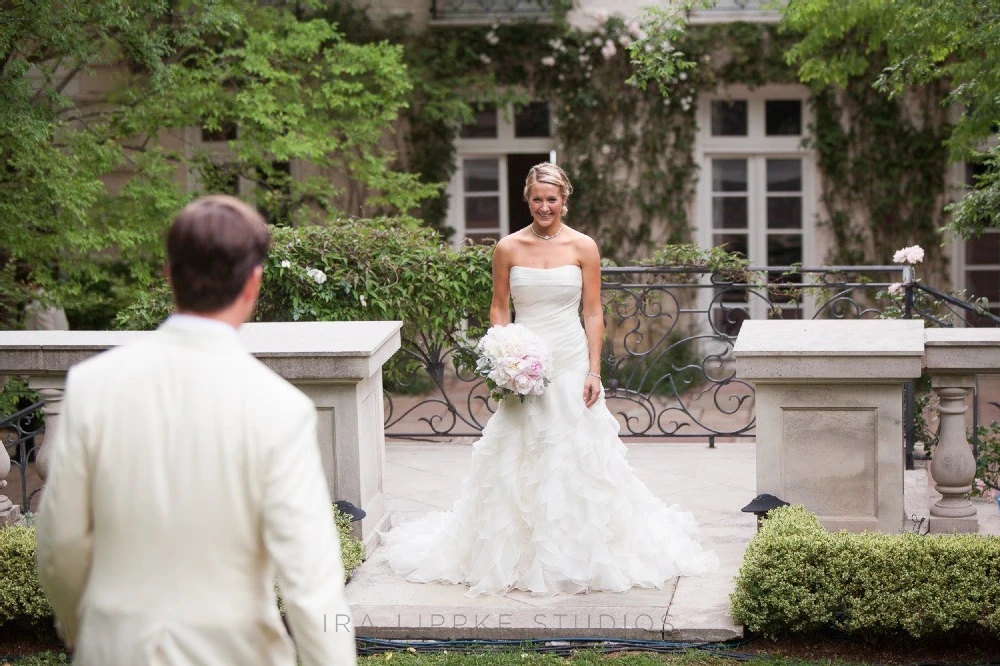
[
  {"x": 593, "y": 316},
  {"x": 500, "y": 305}
]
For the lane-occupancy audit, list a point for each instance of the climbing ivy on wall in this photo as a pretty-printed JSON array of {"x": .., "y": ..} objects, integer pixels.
[{"x": 629, "y": 148}]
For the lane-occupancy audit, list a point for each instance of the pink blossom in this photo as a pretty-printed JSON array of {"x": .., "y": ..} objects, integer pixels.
[{"x": 896, "y": 288}]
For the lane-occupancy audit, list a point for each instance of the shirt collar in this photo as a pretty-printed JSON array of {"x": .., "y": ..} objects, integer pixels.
[{"x": 196, "y": 324}]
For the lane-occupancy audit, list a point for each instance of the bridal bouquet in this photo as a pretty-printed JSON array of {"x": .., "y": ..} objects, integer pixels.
[{"x": 514, "y": 361}]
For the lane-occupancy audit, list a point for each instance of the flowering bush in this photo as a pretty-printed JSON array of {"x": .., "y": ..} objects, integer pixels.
[
  {"x": 514, "y": 361},
  {"x": 356, "y": 270}
]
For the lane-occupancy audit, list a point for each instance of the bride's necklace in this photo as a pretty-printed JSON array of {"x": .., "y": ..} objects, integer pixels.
[{"x": 545, "y": 236}]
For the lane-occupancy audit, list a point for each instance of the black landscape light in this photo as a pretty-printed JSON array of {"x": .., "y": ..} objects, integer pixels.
[
  {"x": 761, "y": 504},
  {"x": 356, "y": 513}
]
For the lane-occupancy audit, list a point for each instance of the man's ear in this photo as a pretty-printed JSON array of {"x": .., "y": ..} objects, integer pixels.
[{"x": 252, "y": 286}]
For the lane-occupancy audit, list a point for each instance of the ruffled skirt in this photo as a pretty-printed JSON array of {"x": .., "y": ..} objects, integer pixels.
[{"x": 551, "y": 506}]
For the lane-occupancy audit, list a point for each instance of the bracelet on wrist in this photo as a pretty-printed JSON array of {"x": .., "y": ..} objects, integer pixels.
[{"x": 593, "y": 374}]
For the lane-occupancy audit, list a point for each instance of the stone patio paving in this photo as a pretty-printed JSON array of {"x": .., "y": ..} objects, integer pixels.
[{"x": 712, "y": 483}]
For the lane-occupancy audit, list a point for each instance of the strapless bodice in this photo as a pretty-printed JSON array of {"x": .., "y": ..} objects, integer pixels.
[{"x": 547, "y": 301}]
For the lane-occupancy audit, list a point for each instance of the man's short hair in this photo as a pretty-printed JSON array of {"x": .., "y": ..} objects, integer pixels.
[{"x": 213, "y": 246}]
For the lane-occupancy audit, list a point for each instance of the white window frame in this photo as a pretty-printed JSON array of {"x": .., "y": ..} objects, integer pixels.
[
  {"x": 960, "y": 265},
  {"x": 497, "y": 148},
  {"x": 756, "y": 145},
  {"x": 728, "y": 11}
]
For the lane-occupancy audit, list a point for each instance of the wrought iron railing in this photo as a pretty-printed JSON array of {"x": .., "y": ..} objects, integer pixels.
[
  {"x": 483, "y": 10},
  {"x": 19, "y": 432},
  {"x": 667, "y": 364}
]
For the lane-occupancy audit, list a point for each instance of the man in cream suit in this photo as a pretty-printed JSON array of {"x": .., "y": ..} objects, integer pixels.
[{"x": 185, "y": 477}]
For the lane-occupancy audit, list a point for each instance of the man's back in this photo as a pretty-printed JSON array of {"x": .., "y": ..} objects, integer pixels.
[{"x": 198, "y": 468}]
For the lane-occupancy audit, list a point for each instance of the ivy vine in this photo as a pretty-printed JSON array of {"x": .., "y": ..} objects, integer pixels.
[{"x": 630, "y": 147}]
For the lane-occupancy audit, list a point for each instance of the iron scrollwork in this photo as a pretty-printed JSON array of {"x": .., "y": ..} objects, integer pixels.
[{"x": 667, "y": 362}]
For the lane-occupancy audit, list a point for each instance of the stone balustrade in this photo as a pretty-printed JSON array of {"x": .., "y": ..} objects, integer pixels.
[
  {"x": 953, "y": 356},
  {"x": 337, "y": 364},
  {"x": 829, "y": 415}
]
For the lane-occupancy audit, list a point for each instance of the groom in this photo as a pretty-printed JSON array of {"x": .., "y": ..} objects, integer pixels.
[{"x": 185, "y": 477}]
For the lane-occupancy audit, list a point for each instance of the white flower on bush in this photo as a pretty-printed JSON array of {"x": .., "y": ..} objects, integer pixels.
[
  {"x": 635, "y": 30},
  {"x": 317, "y": 276},
  {"x": 606, "y": 149},
  {"x": 285, "y": 263},
  {"x": 625, "y": 41},
  {"x": 492, "y": 38},
  {"x": 608, "y": 50},
  {"x": 364, "y": 301},
  {"x": 485, "y": 59},
  {"x": 913, "y": 254},
  {"x": 601, "y": 17},
  {"x": 896, "y": 288},
  {"x": 549, "y": 61}
]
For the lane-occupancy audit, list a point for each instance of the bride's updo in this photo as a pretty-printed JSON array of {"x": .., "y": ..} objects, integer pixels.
[{"x": 549, "y": 173}]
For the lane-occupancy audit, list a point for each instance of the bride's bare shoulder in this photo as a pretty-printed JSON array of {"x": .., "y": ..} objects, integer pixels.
[{"x": 585, "y": 246}]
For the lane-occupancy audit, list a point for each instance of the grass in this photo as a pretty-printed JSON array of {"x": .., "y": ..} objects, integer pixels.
[{"x": 515, "y": 658}]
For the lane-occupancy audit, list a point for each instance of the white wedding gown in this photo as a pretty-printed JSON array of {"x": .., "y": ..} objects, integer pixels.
[{"x": 551, "y": 505}]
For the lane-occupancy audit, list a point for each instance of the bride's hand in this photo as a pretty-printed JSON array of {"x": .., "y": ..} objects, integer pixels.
[{"x": 591, "y": 390}]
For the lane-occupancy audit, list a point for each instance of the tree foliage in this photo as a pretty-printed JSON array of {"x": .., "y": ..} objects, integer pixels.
[
  {"x": 99, "y": 100},
  {"x": 955, "y": 42}
]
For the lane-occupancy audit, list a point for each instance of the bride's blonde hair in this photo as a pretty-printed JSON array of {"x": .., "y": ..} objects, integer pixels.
[{"x": 550, "y": 174}]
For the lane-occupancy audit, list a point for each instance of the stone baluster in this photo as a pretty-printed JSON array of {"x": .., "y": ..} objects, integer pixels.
[
  {"x": 9, "y": 512},
  {"x": 51, "y": 391},
  {"x": 953, "y": 465}
]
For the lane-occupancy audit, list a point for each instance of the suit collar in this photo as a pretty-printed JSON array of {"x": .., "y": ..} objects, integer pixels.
[{"x": 201, "y": 331}]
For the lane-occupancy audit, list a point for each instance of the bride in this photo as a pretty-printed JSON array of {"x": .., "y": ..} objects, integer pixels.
[{"x": 551, "y": 505}]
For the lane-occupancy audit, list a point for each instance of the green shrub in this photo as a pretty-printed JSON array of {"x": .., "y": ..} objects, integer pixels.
[
  {"x": 352, "y": 550},
  {"x": 22, "y": 601},
  {"x": 365, "y": 270},
  {"x": 796, "y": 577}
]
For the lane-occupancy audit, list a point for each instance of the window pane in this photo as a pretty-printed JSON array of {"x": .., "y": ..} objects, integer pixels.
[
  {"x": 783, "y": 117},
  {"x": 983, "y": 283},
  {"x": 729, "y": 175},
  {"x": 784, "y": 212},
  {"x": 729, "y": 118},
  {"x": 225, "y": 132},
  {"x": 482, "y": 212},
  {"x": 532, "y": 121},
  {"x": 482, "y": 175},
  {"x": 784, "y": 175},
  {"x": 983, "y": 250},
  {"x": 485, "y": 124},
  {"x": 729, "y": 212},
  {"x": 784, "y": 249},
  {"x": 732, "y": 242}
]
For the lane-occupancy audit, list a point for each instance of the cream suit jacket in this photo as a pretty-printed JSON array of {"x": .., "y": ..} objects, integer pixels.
[{"x": 185, "y": 477}]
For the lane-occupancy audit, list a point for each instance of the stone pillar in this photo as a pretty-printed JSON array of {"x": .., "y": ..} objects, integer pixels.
[
  {"x": 953, "y": 465},
  {"x": 829, "y": 414}
]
